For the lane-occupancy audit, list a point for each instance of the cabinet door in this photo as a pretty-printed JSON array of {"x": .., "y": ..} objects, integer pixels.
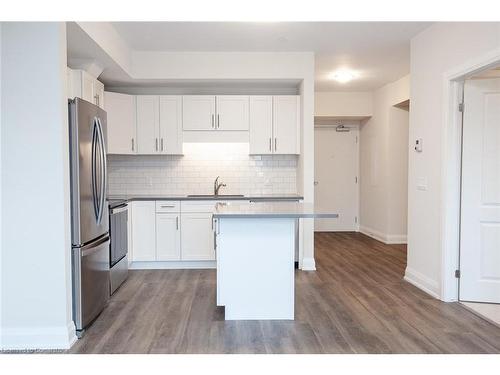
[
  {"x": 261, "y": 124},
  {"x": 168, "y": 236},
  {"x": 143, "y": 231},
  {"x": 198, "y": 112},
  {"x": 121, "y": 123},
  {"x": 286, "y": 124},
  {"x": 87, "y": 87},
  {"x": 197, "y": 236},
  {"x": 99, "y": 93},
  {"x": 232, "y": 112},
  {"x": 171, "y": 124},
  {"x": 148, "y": 123}
]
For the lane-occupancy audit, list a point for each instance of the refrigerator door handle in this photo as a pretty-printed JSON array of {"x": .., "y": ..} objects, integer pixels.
[
  {"x": 94, "y": 169},
  {"x": 103, "y": 171}
]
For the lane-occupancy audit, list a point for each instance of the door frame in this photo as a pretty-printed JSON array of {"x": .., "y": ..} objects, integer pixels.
[
  {"x": 451, "y": 173},
  {"x": 356, "y": 126}
]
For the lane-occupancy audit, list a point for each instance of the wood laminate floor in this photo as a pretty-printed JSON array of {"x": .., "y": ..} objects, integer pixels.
[{"x": 356, "y": 302}]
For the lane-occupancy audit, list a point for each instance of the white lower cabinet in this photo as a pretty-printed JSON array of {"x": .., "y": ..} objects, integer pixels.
[
  {"x": 143, "y": 231},
  {"x": 160, "y": 232},
  {"x": 197, "y": 236},
  {"x": 168, "y": 236}
]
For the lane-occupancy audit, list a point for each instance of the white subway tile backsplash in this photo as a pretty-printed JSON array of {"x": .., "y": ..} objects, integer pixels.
[{"x": 195, "y": 171}]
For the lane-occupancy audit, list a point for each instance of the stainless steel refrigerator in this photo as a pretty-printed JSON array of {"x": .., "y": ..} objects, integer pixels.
[{"x": 89, "y": 211}]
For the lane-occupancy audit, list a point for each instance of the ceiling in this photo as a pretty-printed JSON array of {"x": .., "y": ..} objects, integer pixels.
[{"x": 379, "y": 52}]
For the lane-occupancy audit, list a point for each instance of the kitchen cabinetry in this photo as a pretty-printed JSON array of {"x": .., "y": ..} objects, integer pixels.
[
  {"x": 198, "y": 112},
  {"x": 82, "y": 85},
  {"x": 275, "y": 128},
  {"x": 122, "y": 137},
  {"x": 168, "y": 236},
  {"x": 159, "y": 124},
  {"x": 261, "y": 125},
  {"x": 148, "y": 124},
  {"x": 222, "y": 112},
  {"x": 143, "y": 231},
  {"x": 197, "y": 236}
]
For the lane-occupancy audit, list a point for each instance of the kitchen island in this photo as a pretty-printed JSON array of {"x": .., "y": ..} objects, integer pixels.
[{"x": 255, "y": 247}]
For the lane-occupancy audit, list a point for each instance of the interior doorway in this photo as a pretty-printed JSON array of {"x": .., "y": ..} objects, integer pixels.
[
  {"x": 479, "y": 258},
  {"x": 336, "y": 175}
]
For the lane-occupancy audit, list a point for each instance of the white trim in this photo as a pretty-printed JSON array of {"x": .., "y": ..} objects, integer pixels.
[
  {"x": 451, "y": 169},
  {"x": 29, "y": 338},
  {"x": 308, "y": 264},
  {"x": 173, "y": 265},
  {"x": 422, "y": 282},
  {"x": 389, "y": 239}
]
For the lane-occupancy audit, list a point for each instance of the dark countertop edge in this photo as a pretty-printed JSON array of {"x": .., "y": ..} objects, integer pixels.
[
  {"x": 186, "y": 198},
  {"x": 272, "y": 216}
]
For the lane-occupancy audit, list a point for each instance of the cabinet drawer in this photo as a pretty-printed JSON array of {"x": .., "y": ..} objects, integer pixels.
[{"x": 168, "y": 206}]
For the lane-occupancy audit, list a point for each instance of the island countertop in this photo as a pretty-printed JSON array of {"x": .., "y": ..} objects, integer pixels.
[{"x": 294, "y": 210}]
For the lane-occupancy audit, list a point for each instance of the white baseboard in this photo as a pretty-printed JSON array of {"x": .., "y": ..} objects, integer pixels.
[
  {"x": 173, "y": 265},
  {"x": 389, "y": 239},
  {"x": 38, "y": 338},
  {"x": 422, "y": 282},
  {"x": 308, "y": 264}
]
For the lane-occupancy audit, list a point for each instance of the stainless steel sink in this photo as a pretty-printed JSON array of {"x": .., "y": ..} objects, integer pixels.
[{"x": 215, "y": 196}]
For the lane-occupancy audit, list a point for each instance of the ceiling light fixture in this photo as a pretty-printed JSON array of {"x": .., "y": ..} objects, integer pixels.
[{"x": 343, "y": 76}]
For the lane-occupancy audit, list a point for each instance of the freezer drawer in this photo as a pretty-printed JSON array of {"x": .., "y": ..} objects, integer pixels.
[{"x": 90, "y": 281}]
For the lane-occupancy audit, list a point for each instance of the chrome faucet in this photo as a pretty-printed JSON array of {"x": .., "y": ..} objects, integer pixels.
[{"x": 217, "y": 186}]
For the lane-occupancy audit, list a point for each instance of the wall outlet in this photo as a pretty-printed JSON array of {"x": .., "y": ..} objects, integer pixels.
[{"x": 419, "y": 145}]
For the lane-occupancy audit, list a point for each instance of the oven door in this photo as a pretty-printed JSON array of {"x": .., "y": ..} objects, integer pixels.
[{"x": 118, "y": 229}]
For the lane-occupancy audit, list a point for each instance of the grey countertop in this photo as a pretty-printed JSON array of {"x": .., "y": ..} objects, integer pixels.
[
  {"x": 294, "y": 210},
  {"x": 268, "y": 197}
]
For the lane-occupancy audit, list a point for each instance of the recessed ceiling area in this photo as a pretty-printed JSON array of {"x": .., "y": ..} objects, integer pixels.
[{"x": 379, "y": 52}]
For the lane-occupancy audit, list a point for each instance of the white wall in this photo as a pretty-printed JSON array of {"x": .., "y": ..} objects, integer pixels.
[
  {"x": 36, "y": 241},
  {"x": 435, "y": 51},
  {"x": 343, "y": 104},
  {"x": 383, "y": 167}
]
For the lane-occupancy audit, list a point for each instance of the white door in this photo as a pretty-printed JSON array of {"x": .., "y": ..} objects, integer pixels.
[
  {"x": 286, "y": 124},
  {"x": 335, "y": 175},
  {"x": 171, "y": 124},
  {"x": 197, "y": 237},
  {"x": 198, "y": 112},
  {"x": 480, "y": 211},
  {"x": 143, "y": 231},
  {"x": 232, "y": 112},
  {"x": 120, "y": 109},
  {"x": 148, "y": 123},
  {"x": 168, "y": 236},
  {"x": 261, "y": 125}
]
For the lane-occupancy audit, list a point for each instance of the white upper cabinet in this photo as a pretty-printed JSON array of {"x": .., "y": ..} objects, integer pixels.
[
  {"x": 261, "y": 125},
  {"x": 286, "y": 124},
  {"x": 82, "y": 85},
  {"x": 148, "y": 124},
  {"x": 232, "y": 112},
  {"x": 170, "y": 124},
  {"x": 121, "y": 136},
  {"x": 275, "y": 124},
  {"x": 198, "y": 112}
]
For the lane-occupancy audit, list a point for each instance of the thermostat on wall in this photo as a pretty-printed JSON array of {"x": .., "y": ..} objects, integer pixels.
[{"x": 418, "y": 145}]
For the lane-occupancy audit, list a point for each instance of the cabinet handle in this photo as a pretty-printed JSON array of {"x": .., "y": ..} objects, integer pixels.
[
  {"x": 270, "y": 146},
  {"x": 167, "y": 206},
  {"x": 213, "y": 123},
  {"x": 177, "y": 222},
  {"x": 96, "y": 100},
  {"x": 132, "y": 144},
  {"x": 156, "y": 144},
  {"x": 162, "y": 144},
  {"x": 218, "y": 121},
  {"x": 275, "y": 144}
]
